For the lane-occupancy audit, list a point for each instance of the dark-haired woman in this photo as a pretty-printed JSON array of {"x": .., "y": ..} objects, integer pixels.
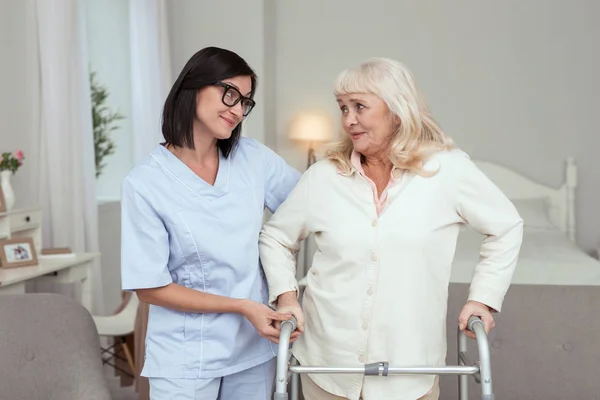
[{"x": 192, "y": 211}]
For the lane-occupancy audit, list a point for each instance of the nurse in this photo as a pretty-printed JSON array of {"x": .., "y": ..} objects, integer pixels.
[{"x": 192, "y": 211}]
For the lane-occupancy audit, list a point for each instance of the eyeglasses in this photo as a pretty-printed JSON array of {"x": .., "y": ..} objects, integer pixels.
[{"x": 232, "y": 96}]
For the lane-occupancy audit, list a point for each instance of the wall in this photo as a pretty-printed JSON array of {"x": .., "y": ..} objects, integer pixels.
[
  {"x": 19, "y": 94},
  {"x": 512, "y": 82},
  {"x": 235, "y": 25}
]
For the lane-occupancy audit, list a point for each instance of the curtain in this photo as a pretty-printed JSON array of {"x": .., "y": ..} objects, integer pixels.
[
  {"x": 67, "y": 168},
  {"x": 150, "y": 72}
]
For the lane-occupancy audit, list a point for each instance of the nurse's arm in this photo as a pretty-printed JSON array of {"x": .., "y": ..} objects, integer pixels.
[{"x": 184, "y": 299}]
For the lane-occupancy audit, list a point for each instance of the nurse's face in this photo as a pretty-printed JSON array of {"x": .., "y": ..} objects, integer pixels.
[{"x": 221, "y": 107}]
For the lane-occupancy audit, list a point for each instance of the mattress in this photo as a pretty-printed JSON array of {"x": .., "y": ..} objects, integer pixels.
[{"x": 547, "y": 257}]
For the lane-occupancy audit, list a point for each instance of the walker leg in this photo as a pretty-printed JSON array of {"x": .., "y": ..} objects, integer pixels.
[
  {"x": 295, "y": 383},
  {"x": 463, "y": 380},
  {"x": 485, "y": 364}
]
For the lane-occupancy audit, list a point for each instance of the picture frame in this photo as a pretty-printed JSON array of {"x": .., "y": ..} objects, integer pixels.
[
  {"x": 17, "y": 252},
  {"x": 2, "y": 202}
]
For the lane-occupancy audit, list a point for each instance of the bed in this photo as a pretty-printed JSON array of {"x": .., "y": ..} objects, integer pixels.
[
  {"x": 544, "y": 345},
  {"x": 549, "y": 255}
]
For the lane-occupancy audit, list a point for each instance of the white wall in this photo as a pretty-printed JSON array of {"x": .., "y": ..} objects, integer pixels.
[
  {"x": 512, "y": 82},
  {"x": 108, "y": 51},
  {"x": 231, "y": 24},
  {"x": 19, "y": 94}
]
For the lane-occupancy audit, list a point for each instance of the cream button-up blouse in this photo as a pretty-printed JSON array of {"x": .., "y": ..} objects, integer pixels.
[{"x": 378, "y": 285}]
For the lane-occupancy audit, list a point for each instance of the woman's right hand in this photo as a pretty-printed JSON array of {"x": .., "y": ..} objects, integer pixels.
[
  {"x": 288, "y": 303},
  {"x": 264, "y": 319}
]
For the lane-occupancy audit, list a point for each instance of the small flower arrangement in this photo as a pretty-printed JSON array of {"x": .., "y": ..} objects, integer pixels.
[{"x": 11, "y": 162}]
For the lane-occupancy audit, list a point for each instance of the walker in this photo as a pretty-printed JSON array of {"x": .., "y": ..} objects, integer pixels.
[{"x": 481, "y": 370}]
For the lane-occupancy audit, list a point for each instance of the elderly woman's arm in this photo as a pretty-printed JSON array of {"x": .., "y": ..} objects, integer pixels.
[
  {"x": 279, "y": 244},
  {"x": 483, "y": 206}
]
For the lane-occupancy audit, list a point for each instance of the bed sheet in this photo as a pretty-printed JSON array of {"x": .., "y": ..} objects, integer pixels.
[{"x": 547, "y": 257}]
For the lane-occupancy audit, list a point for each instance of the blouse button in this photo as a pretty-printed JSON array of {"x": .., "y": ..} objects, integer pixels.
[
  {"x": 361, "y": 359},
  {"x": 374, "y": 256},
  {"x": 370, "y": 291},
  {"x": 365, "y": 325},
  {"x": 374, "y": 223}
]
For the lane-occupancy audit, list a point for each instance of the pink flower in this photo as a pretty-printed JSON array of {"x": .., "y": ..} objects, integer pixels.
[{"x": 19, "y": 155}]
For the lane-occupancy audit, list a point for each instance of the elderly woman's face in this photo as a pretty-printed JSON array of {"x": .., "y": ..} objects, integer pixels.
[{"x": 367, "y": 121}]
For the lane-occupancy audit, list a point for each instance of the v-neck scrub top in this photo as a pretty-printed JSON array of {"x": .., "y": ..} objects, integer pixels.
[{"x": 177, "y": 228}]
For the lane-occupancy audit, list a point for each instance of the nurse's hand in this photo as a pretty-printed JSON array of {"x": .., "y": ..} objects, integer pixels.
[
  {"x": 288, "y": 303},
  {"x": 263, "y": 318},
  {"x": 479, "y": 310}
]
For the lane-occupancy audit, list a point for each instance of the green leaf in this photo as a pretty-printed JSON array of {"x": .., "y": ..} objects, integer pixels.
[{"x": 104, "y": 122}]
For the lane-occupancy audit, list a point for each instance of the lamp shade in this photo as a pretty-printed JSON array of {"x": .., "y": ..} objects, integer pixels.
[{"x": 311, "y": 127}]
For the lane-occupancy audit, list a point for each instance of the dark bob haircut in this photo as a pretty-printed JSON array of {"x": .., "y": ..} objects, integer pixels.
[{"x": 205, "y": 68}]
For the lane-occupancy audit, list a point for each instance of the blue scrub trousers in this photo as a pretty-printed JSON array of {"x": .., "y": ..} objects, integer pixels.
[{"x": 256, "y": 383}]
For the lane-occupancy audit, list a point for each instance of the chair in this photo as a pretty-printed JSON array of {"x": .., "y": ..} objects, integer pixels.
[
  {"x": 49, "y": 349},
  {"x": 118, "y": 326}
]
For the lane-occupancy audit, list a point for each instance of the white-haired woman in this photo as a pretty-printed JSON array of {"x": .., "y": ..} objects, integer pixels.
[{"x": 385, "y": 206}]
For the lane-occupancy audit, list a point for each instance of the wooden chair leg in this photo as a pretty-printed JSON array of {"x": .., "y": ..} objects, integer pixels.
[{"x": 128, "y": 356}]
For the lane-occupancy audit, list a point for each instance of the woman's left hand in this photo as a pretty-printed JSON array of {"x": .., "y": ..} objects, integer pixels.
[{"x": 479, "y": 310}]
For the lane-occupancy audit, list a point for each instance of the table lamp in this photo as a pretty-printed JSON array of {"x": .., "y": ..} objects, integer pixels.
[{"x": 311, "y": 128}]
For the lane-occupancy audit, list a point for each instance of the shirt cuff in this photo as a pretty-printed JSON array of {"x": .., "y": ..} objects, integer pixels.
[
  {"x": 132, "y": 282},
  {"x": 277, "y": 289},
  {"x": 487, "y": 296}
]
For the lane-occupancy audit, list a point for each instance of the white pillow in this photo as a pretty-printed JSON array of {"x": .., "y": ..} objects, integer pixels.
[{"x": 534, "y": 213}]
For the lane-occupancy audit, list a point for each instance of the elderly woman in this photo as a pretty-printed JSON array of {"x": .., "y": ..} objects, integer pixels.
[{"x": 386, "y": 205}]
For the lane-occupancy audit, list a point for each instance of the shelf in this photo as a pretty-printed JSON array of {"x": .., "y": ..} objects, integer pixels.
[{"x": 24, "y": 227}]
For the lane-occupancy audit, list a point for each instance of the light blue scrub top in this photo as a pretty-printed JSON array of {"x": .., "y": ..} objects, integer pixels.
[{"x": 178, "y": 228}]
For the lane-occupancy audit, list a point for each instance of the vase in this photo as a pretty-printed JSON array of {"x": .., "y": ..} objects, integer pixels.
[{"x": 7, "y": 190}]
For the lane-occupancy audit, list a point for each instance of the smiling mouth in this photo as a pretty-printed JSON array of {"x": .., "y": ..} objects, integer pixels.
[
  {"x": 356, "y": 135},
  {"x": 229, "y": 121}
]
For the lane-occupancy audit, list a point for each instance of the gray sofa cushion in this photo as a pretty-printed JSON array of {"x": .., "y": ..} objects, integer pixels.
[
  {"x": 49, "y": 350},
  {"x": 545, "y": 344}
]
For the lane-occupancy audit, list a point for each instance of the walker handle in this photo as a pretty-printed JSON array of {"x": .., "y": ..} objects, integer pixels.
[{"x": 292, "y": 321}]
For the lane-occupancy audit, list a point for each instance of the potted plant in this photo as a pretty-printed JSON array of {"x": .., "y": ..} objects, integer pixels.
[{"x": 103, "y": 120}]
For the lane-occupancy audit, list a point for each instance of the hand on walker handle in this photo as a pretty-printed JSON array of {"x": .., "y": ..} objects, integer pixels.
[
  {"x": 288, "y": 303},
  {"x": 479, "y": 310},
  {"x": 264, "y": 319}
]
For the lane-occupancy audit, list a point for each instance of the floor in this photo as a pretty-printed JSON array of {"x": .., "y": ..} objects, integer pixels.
[{"x": 117, "y": 392}]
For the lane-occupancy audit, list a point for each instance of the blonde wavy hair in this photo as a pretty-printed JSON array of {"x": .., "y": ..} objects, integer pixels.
[{"x": 418, "y": 135}]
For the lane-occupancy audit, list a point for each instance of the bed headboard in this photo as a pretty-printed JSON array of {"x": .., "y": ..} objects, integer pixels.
[{"x": 561, "y": 201}]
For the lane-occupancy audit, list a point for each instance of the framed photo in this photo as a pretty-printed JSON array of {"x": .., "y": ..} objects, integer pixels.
[
  {"x": 2, "y": 203},
  {"x": 17, "y": 252}
]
